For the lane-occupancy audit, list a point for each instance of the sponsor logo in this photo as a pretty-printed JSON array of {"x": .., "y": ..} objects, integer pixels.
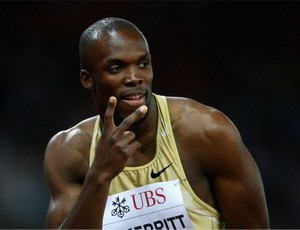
[
  {"x": 148, "y": 198},
  {"x": 120, "y": 209},
  {"x": 154, "y": 206},
  {"x": 157, "y": 174}
]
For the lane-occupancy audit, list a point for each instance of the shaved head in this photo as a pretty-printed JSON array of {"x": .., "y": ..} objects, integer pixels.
[{"x": 98, "y": 31}]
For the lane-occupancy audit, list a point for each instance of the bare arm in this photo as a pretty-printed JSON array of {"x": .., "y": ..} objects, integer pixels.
[
  {"x": 78, "y": 206},
  {"x": 65, "y": 169},
  {"x": 235, "y": 178},
  {"x": 212, "y": 147}
]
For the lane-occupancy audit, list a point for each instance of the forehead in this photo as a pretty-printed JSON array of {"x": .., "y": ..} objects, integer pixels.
[{"x": 121, "y": 42}]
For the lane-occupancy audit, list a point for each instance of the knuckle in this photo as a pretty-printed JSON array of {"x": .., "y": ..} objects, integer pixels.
[
  {"x": 130, "y": 135},
  {"x": 112, "y": 140},
  {"x": 126, "y": 122}
]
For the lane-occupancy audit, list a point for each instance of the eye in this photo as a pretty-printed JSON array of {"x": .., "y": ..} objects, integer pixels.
[
  {"x": 144, "y": 64},
  {"x": 114, "y": 69}
]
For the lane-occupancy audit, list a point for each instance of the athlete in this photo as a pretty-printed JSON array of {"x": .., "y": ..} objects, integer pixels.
[{"x": 147, "y": 161}]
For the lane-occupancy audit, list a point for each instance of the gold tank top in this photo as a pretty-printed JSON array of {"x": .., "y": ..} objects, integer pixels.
[{"x": 167, "y": 162}]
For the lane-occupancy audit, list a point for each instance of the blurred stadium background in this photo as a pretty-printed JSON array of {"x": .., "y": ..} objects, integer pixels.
[{"x": 242, "y": 58}]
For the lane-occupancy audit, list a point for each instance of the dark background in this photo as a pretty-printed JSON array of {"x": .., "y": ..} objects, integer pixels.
[{"x": 239, "y": 57}]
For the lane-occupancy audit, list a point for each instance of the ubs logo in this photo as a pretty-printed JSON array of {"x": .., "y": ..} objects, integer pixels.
[
  {"x": 138, "y": 202},
  {"x": 120, "y": 209}
]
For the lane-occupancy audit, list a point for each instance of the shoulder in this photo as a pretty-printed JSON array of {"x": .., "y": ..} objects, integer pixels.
[
  {"x": 74, "y": 136},
  {"x": 70, "y": 147},
  {"x": 208, "y": 132},
  {"x": 185, "y": 112}
]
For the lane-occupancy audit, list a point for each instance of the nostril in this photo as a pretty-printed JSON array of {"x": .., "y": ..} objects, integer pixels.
[
  {"x": 141, "y": 80},
  {"x": 133, "y": 80}
]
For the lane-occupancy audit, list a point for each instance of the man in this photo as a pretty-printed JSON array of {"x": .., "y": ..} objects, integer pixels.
[{"x": 147, "y": 161}]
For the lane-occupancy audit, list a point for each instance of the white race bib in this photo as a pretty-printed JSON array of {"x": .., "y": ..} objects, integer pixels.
[{"x": 155, "y": 206}]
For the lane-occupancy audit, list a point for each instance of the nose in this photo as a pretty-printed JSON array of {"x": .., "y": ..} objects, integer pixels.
[{"x": 133, "y": 78}]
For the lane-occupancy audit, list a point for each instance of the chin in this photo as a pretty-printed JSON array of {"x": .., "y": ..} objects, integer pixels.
[
  {"x": 119, "y": 117},
  {"x": 124, "y": 110}
]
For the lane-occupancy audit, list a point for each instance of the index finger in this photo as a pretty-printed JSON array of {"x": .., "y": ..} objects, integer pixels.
[
  {"x": 108, "y": 123},
  {"x": 128, "y": 121}
]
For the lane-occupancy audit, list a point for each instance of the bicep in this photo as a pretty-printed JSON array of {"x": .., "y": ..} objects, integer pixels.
[
  {"x": 237, "y": 182},
  {"x": 63, "y": 188},
  {"x": 60, "y": 206},
  {"x": 239, "y": 191}
]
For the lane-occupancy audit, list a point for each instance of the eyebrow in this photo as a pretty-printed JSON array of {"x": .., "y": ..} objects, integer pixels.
[
  {"x": 117, "y": 60},
  {"x": 144, "y": 56}
]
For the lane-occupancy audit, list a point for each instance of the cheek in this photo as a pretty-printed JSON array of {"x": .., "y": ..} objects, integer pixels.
[
  {"x": 102, "y": 92},
  {"x": 107, "y": 85},
  {"x": 148, "y": 77}
]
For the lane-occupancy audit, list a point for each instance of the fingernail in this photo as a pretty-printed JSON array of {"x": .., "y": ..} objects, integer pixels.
[
  {"x": 112, "y": 99},
  {"x": 143, "y": 109}
]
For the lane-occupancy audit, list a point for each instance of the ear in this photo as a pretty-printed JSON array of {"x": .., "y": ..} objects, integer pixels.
[{"x": 86, "y": 79}]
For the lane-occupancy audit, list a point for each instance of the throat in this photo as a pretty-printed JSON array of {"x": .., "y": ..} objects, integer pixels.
[
  {"x": 139, "y": 159},
  {"x": 144, "y": 154}
]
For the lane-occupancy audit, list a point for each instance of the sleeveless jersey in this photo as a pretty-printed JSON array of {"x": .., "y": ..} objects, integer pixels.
[{"x": 167, "y": 160}]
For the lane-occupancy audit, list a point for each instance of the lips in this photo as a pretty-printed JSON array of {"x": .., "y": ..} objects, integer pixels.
[
  {"x": 133, "y": 95},
  {"x": 134, "y": 98}
]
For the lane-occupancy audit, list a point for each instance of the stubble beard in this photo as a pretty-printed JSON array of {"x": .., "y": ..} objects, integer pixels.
[{"x": 118, "y": 117}]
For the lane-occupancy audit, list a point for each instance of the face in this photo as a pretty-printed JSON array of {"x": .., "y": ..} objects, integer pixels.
[{"x": 122, "y": 68}]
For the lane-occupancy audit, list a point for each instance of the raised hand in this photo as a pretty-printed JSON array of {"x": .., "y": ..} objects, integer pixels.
[{"x": 116, "y": 144}]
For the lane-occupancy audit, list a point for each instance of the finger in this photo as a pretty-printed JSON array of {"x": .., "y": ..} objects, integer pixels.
[
  {"x": 108, "y": 122},
  {"x": 130, "y": 149},
  {"x": 127, "y": 138},
  {"x": 128, "y": 121}
]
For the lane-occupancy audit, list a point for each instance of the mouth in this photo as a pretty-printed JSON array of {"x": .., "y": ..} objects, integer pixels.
[{"x": 134, "y": 99}]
